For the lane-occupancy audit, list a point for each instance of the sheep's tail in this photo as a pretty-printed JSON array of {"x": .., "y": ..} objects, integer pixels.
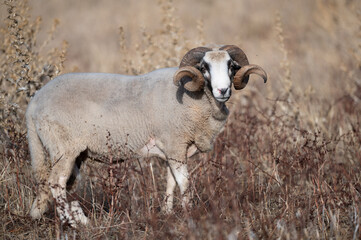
[{"x": 36, "y": 148}]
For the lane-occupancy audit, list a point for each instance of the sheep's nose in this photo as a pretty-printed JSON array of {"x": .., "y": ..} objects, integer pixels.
[{"x": 222, "y": 90}]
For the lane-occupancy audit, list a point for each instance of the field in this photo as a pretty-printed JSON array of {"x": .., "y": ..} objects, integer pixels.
[{"x": 287, "y": 165}]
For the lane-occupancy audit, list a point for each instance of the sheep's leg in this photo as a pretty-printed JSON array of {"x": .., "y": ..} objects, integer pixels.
[
  {"x": 171, "y": 183},
  {"x": 59, "y": 176},
  {"x": 177, "y": 173},
  {"x": 41, "y": 171},
  {"x": 41, "y": 202}
]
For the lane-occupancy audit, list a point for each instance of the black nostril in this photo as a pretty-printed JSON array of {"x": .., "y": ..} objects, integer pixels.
[{"x": 223, "y": 90}]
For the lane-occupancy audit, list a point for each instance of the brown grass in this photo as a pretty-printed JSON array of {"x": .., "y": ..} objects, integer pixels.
[{"x": 287, "y": 166}]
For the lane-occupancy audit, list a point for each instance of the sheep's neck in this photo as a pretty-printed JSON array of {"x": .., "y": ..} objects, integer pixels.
[{"x": 219, "y": 110}]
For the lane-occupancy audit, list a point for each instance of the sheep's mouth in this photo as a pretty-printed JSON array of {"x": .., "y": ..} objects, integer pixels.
[{"x": 222, "y": 99}]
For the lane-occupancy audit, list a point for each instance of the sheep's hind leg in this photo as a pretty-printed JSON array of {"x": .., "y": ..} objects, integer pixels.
[
  {"x": 59, "y": 176},
  {"x": 41, "y": 172},
  {"x": 41, "y": 203}
]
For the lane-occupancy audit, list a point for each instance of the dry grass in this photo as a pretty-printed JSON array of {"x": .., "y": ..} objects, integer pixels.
[{"x": 287, "y": 166}]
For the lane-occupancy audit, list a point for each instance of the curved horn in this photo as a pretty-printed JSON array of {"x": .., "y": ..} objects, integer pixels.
[
  {"x": 241, "y": 78},
  {"x": 236, "y": 54},
  {"x": 194, "y": 56},
  {"x": 193, "y": 79}
]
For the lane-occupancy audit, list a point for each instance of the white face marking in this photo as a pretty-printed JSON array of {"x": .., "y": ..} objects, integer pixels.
[{"x": 219, "y": 74}]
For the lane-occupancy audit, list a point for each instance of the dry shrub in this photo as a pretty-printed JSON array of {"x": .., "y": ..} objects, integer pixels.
[
  {"x": 162, "y": 48},
  {"x": 24, "y": 66},
  {"x": 287, "y": 166}
]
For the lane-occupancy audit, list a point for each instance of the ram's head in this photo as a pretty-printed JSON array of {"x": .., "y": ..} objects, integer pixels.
[{"x": 217, "y": 69}]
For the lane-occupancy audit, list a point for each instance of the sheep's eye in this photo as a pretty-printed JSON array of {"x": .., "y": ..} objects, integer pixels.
[
  {"x": 231, "y": 68},
  {"x": 229, "y": 63},
  {"x": 204, "y": 68}
]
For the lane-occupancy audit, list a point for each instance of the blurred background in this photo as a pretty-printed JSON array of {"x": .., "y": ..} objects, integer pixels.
[{"x": 321, "y": 36}]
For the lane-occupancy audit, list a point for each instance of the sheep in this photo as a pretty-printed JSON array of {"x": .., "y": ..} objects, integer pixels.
[{"x": 170, "y": 113}]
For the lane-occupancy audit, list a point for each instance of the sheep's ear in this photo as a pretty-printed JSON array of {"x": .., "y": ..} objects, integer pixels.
[
  {"x": 242, "y": 76},
  {"x": 190, "y": 77}
]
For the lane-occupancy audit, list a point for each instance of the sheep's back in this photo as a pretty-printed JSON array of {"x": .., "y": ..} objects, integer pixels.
[{"x": 98, "y": 108}]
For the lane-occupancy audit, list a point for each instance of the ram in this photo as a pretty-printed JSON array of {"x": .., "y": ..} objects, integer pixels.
[{"x": 171, "y": 113}]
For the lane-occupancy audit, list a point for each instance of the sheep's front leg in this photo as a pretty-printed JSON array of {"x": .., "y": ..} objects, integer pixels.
[
  {"x": 59, "y": 176},
  {"x": 171, "y": 183},
  {"x": 177, "y": 174}
]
